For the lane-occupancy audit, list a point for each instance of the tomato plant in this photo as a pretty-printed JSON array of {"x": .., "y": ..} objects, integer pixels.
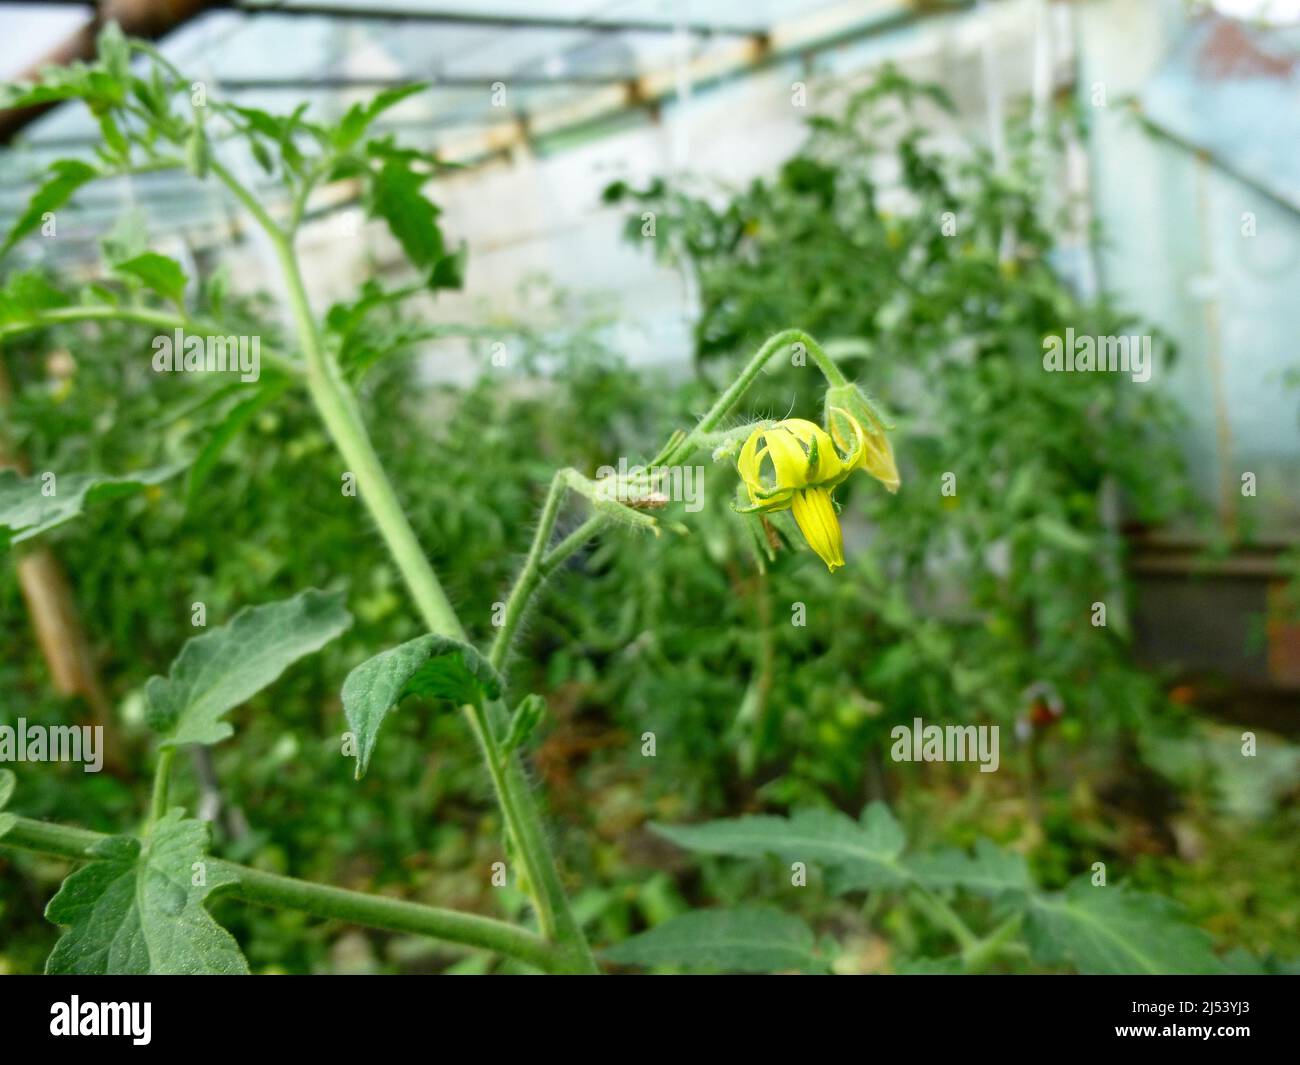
[{"x": 139, "y": 901}]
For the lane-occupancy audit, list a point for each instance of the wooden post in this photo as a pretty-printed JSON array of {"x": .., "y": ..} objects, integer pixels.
[{"x": 60, "y": 633}]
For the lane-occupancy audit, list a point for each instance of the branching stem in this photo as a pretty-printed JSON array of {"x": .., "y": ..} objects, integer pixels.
[{"x": 321, "y": 900}]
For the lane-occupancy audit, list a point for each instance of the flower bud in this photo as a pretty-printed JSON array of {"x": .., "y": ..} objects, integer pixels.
[{"x": 847, "y": 405}]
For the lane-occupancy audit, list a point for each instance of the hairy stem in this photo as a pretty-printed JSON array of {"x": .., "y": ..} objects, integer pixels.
[
  {"x": 321, "y": 900},
  {"x": 540, "y": 563},
  {"x": 676, "y": 451},
  {"x": 338, "y": 411},
  {"x": 530, "y": 575},
  {"x": 342, "y": 419},
  {"x": 557, "y": 555}
]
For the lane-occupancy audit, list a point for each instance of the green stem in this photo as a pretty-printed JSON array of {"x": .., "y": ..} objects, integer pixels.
[
  {"x": 496, "y": 765},
  {"x": 162, "y": 776},
  {"x": 943, "y": 914},
  {"x": 321, "y": 900},
  {"x": 555, "y": 556},
  {"x": 530, "y": 575},
  {"x": 338, "y": 411},
  {"x": 683, "y": 447},
  {"x": 140, "y": 316},
  {"x": 980, "y": 955},
  {"x": 540, "y": 563}
]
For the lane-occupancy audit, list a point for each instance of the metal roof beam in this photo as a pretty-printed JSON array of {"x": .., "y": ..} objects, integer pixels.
[
  {"x": 501, "y": 21},
  {"x": 458, "y": 81}
]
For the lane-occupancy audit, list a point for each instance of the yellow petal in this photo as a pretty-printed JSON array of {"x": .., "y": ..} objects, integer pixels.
[
  {"x": 789, "y": 458},
  {"x": 826, "y": 465},
  {"x": 750, "y": 462},
  {"x": 878, "y": 460},
  {"x": 815, "y": 513},
  {"x": 850, "y": 442},
  {"x": 848, "y": 411},
  {"x": 801, "y": 428},
  {"x": 848, "y": 434}
]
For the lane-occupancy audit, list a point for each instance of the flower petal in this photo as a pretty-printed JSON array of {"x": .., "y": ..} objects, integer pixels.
[
  {"x": 789, "y": 458},
  {"x": 878, "y": 460},
  {"x": 750, "y": 461},
  {"x": 815, "y": 513}
]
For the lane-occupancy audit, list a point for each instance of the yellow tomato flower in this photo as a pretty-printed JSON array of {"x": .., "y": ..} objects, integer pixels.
[{"x": 795, "y": 464}]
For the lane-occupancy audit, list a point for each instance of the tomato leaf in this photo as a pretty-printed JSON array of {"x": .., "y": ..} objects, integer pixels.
[
  {"x": 412, "y": 218},
  {"x": 990, "y": 871},
  {"x": 68, "y": 176},
  {"x": 26, "y": 295},
  {"x": 137, "y": 910},
  {"x": 160, "y": 273},
  {"x": 26, "y": 510},
  {"x": 1114, "y": 930},
  {"x": 856, "y": 854},
  {"x": 231, "y": 425},
  {"x": 353, "y": 125},
  {"x": 432, "y": 667},
  {"x": 223, "y": 668},
  {"x": 748, "y": 939}
]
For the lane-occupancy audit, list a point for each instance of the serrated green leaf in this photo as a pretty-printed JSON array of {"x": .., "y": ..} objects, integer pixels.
[
  {"x": 160, "y": 273},
  {"x": 96, "y": 83},
  {"x": 449, "y": 271},
  {"x": 433, "y": 667},
  {"x": 353, "y": 125},
  {"x": 990, "y": 871},
  {"x": 1113, "y": 930},
  {"x": 26, "y": 294},
  {"x": 68, "y": 176},
  {"x": 217, "y": 671},
  {"x": 25, "y": 511},
  {"x": 263, "y": 122},
  {"x": 344, "y": 319},
  {"x": 1209, "y": 758},
  {"x": 857, "y": 855},
  {"x": 142, "y": 913},
  {"x": 396, "y": 197},
  {"x": 748, "y": 939}
]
